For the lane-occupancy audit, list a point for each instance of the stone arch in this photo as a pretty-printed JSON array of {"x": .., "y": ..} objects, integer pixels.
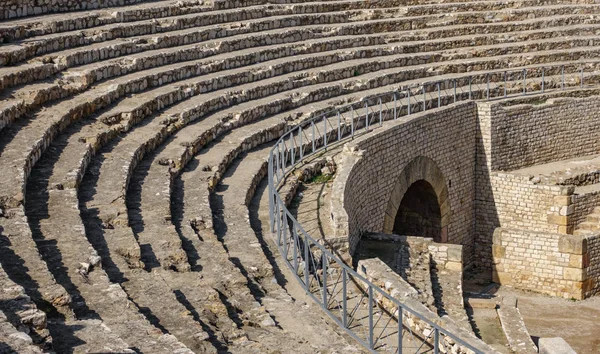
[{"x": 421, "y": 173}]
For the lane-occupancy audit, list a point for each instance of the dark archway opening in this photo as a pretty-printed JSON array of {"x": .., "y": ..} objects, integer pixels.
[{"x": 419, "y": 213}]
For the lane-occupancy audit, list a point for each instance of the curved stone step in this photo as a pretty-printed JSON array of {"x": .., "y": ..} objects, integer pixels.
[
  {"x": 18, "y": 106},
  {"x": 18, "y": 311},
  {"x": 59, "y": 234},
  {"x": 141, "y": 44}
]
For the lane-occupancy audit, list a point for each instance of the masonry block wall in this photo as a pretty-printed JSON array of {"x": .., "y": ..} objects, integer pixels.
[
  {"x": 376, "y": 160},
  {"x": 22, "y": 8},
  {"x": 592, "y": 271},
  {"x": 532, "y": 134},
  {"x": 510, "y": 137},
  {"x": 540, "y": 261}
]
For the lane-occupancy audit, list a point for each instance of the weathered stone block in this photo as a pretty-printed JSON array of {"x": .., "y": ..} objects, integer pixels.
[
  {"x": 567, "y": 230},
  {"x": 498, "y": 251},
  {"x": 457, "y": 266},
  {"x": 497, "y": 237},
  {"x": 555, "y": 345},
  {"x": 502, "y": 277},
  {"x": 572, "y": 244},
  {"x": 576, "y": 261},
  {"x": 566, "y": 210},
  {"x": 575, "y": 274},
  {"x": 455, "y": 253},
  {"x": 562, "y": 200},
  {"x": 558, "y": 219}
]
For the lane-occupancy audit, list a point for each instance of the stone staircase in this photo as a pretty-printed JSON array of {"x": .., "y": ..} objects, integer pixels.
[{"x": 134, "y": 138}]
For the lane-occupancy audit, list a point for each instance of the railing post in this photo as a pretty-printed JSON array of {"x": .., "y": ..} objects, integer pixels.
[
  {"x": 562, "y": 84},
  {"x": 524, "y": 81},
  {"x": 306, "y": 262},
  {"x": 278, "y": 218},
  {"x": 400, "y": 329},
  {"x": 339, "y": 126},
  {"x": 352, "y": 121},
  {"x": 371, "y": 344},
  {"x": 270, "y": 188},
  {"x": 409, "y": 101},
  {"x": 581, "y": 77},
  {"x": 344, "y": 299},
  {"x": 543, "y": 79},
  {"x": 470, "y": 87},
  {"x": 436, "y": 344},
  {"x": 366, "y": 115},
  {"x": 380, "y": 113},
  {"x": 295, "y": 234},
  {"x": 325, "y": 132},
  {"x": 454, "y": 90},
  {"x": 312, "y": 126},
  {"x": 395, "y": 106},
  {"x": 301, "y": 144},
  {"x": 324, "y": 261},
  {"x": 277, "y": 161},
  {"x": 505, "y": 83},
  {"x": 284, "y": 229},
  {"x": 424, "y": 98},
  {"x": 293, "y": 147}
]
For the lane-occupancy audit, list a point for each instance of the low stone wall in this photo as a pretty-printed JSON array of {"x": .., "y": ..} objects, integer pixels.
[
  {"x": 381, "y": 275},
  {"x": 446, "y": 256},
  {"x": 550, "y": 263}
]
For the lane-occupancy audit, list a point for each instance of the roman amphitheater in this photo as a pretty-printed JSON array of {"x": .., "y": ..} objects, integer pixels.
[{"x": 299, "y": 176}]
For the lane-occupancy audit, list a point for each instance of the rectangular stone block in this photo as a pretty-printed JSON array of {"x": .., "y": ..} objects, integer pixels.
[
  {"x": 562, "y": 200},
  {"x": 455, "y": 253},
  {"x": 498, "y": 251},
  {"x": 567, "y": 230},
  {"x": 481, "y": 303},
  {"x": 555, "y": 345},
  {"x": 566, "y": 210},
  {"x": 576, "y": 261},
  {"x": 456, "y": 266},
  {"x": 574, "y": 274},
  {"x": 572, "y": 244},
  {"x": 497, "y": 237},
  {"x": 558, "y": 219},
  {"x": 503, "y": 278}
]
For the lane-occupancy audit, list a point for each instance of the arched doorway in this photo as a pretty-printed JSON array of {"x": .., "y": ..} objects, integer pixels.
[
  {"x": 419, "y": 203},
  {"x": 419, "y": 212}
]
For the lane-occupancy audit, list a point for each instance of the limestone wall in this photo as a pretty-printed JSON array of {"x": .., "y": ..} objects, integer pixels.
[
  {"x": 512, "y": 201},
  {"x": 545, "y": 262},
  {"x": 593, "y": 265},
  {"x": 511, "y": 136},
  {"x": 524, "y": 135},
  {"x": 372, "y": 164},
  {"x": 21, "y": 8}
]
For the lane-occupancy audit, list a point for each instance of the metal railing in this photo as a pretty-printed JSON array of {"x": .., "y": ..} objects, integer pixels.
[{"x": 346, "y": 296}]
